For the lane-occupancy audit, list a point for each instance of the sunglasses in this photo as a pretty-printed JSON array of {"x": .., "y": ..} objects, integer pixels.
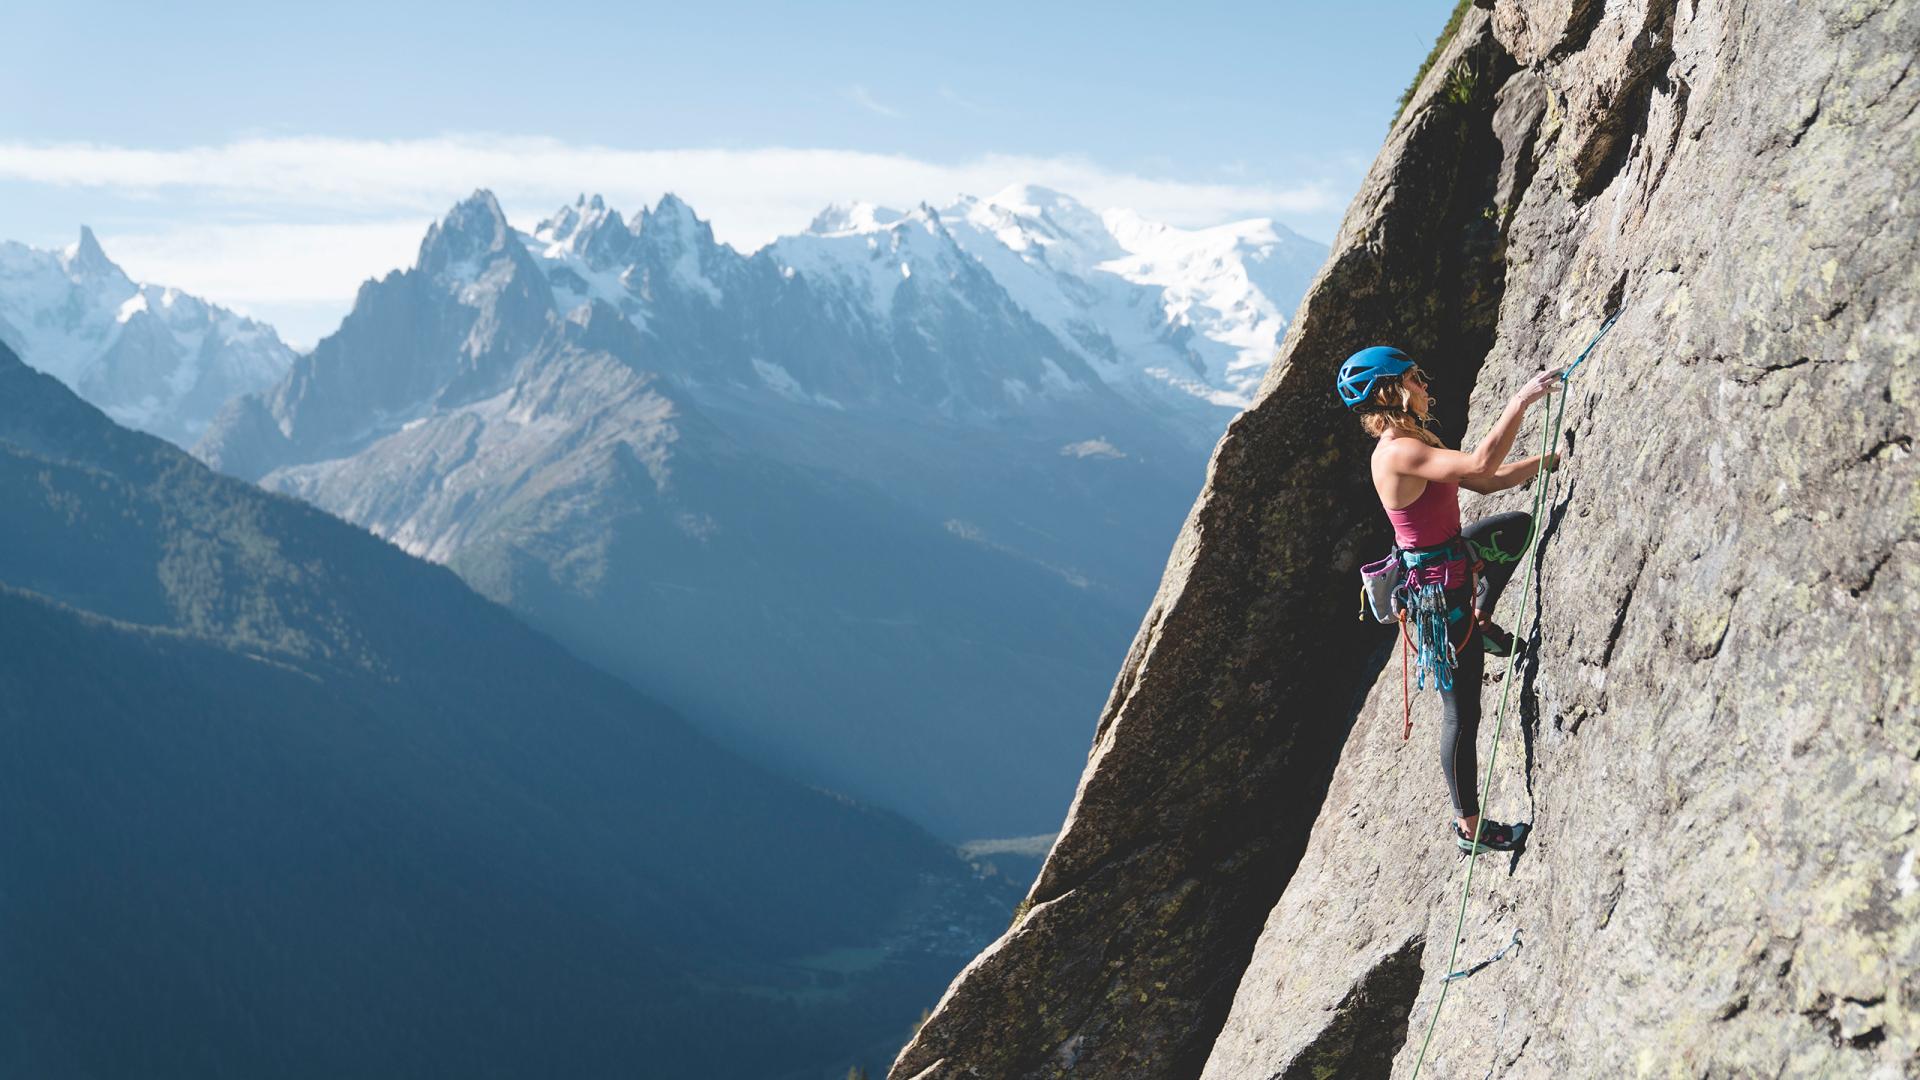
[{"x": 1419, "y": 376}]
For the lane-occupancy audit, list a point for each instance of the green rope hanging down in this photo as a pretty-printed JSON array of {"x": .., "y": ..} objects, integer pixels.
[{"x": 1550, "y": 435}]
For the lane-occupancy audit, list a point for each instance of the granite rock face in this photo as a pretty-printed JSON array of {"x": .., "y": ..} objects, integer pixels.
[{"x": 1715, "y": 735}]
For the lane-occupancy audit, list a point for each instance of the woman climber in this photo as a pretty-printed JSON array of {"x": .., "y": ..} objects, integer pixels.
[{"x": 1453, "y": 575}]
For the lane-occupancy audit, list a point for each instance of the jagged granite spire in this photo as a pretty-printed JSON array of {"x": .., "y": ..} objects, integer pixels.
[
  {"x": 151, "y": 356},
  {"x": 474, "y": 228},
  {"x": 672, "y": 222},
  {"x": 86, "y": 259},
  {"x": 589, "y": 228}
]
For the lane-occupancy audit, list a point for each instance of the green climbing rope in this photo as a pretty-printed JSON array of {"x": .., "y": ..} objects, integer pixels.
[{"x": 1550, "y": 435}]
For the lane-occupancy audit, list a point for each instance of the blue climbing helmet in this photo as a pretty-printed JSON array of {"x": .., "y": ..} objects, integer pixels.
[{"x": 1367, "y": 366}]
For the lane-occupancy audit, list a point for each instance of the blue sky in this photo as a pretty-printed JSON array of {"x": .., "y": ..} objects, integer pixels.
[{"x": 272, "y": 156}]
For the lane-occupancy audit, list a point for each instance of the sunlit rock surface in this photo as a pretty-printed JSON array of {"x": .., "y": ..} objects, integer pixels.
[{"x": 1717, "y": 738}]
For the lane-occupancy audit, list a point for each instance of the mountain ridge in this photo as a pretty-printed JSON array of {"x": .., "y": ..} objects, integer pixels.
[
  {"x": 154, "y": 357},
  {"x": 593, "y": 423},
  {"x": 355, "y": 814}
]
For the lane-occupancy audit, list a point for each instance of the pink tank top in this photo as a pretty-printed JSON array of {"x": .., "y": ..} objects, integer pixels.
[{"x": 1430, "y": 520}]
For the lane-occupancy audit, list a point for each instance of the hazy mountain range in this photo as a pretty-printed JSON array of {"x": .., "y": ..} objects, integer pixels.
[
  {"x": 879, "y": 504},
  {"x": 283, "y": 800}
]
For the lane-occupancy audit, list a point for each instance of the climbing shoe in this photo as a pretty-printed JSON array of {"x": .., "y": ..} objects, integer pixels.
[
  {"x": 1494, "y": 640},
  {"x": 1493, "y": 837}
]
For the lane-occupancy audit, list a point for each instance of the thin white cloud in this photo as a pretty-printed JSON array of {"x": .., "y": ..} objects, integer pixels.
[
  {"x": 954, "y": 96},
  {"x": 864, "y": 98},
  {"x": 751, "y": 195},
  {"x": 268, "y": 223},
  {"x": 300, "y": 278},
  {"x": 249, "y": 264}
]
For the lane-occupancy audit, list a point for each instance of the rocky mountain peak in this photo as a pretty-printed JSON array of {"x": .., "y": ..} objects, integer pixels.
[
  {"x": 460, "y": 242},
  {"x": 86, "y": 260},
  {"x": 588, "y": 228},
  {"x": 1036, "y": 219},
  {"x": 559, "y": 226},
  {"x": 922, "y": 232},
  {"x": 673, "y": 224},
  {"x": 150, "y": 356},
  {"x": 922, "y": 218}
]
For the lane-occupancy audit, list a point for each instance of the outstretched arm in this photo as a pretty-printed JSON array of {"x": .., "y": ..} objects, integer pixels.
[
  {"x": 1411, "y": 457},
  {"x": 1512, "y": 474}
]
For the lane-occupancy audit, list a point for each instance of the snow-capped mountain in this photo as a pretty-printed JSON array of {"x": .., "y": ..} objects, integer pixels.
[
  {"x": 852, "y": 329},
  {"x": 1183, "y": 320},
  {"x": 879, "y": 503},
  {"x": 151, "y": 357},
  {"x": 1150, "y": 307}
]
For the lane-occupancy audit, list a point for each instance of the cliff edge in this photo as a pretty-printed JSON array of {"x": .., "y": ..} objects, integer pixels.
[{"x": 1715, "y": 735}]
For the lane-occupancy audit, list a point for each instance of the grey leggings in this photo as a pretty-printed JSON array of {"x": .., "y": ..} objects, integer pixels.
[{"x": 1498, "y": 541}]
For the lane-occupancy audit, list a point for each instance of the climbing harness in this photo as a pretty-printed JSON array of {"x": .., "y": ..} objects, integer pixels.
[
  {"x": 1431, "y": 574},
  {"x": 1550, "y": 435},
  {"x": 1410, "y": 587}
]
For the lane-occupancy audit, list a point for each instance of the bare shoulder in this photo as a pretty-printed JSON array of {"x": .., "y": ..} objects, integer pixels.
[{"x": 1396, "y": 452}]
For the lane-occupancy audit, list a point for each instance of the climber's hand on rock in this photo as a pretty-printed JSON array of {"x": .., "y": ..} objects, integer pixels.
[
  {"x": 1549, "y": 463},
  {"x": 1538, "y": 387}
]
